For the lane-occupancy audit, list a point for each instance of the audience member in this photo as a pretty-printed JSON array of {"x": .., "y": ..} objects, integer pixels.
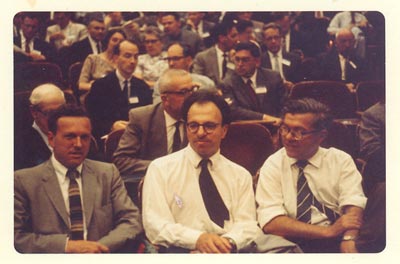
[
  {"x": 113, "y": 19},
  {"x": 31, "y": 146},
  {"x": 196, "y": 23},
  {"x": 65, "y": 32},
  {"x": 324, "y": 212},
  {"x": 341, "y": 64},
  {"x": 245, "y": 31},
  {"x": 174, "y": 33},
  {"x": 288, "y": 64},
  {"x": 257, "y": 25},
  {"x": 111, "y": 97},
  {"x": 97, "y": 66},
  {"x": 290, "y": 38},
  {"x": 27, "y": 45},
  {"x": 205, "y": 203},
  {"x": 253, "y": 93},
  {"x": 152, "y": 64},
  {"x": 152, "y": 130},
  {"x": 215, "y": 62},
  {"x": 71, "y": 204},
  {"x": 180, "y": 56},
  {"x": 357, "y": 23}
]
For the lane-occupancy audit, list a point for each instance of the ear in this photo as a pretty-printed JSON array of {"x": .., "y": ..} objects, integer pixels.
[
  {"x": 258, "y": 62},
  {"x": 33, "y": 111},
  {"x": 323, "y": 135},
  {"x": 224, "y": 130}
]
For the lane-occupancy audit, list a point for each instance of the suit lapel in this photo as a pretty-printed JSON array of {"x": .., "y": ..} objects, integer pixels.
[
  {"x": 52, "y": 189},
  {"x": 89, "y": 188},
  {"x": 158, "y": 130}
]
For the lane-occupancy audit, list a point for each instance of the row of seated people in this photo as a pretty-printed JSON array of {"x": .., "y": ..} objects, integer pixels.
[
  {"x": 155, "y": 41},
  {"x": 214, "y": 212}
]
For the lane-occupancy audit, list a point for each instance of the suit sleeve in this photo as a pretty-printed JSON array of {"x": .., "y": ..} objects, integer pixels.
[
  {"x": 199, "y": 65},
  {"x": 127, "y": 156},
  {"x": 126, "y": 217},
  {"x": 25, "y": 239}
]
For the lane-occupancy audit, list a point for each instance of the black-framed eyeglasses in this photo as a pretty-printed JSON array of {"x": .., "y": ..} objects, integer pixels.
[
  {"x": 174, "y": 58},
  {"x": 184, "y": 91},
  {"x": 208, "y": 127},
  {"x": 296, "y": 134},
  {"x": 44, "y": 113},
  {"x": 151, "y": 41}
]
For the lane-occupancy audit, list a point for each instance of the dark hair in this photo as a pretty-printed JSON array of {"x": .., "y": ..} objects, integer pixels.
[
  {"x": 323, "y": 116},
  {"x": 273, "y": 26},
  {"x": 205, "y": 96},
  {"x": 110, "y": 33},
  {"x": 250, "y": 46},
  {"x": 186, "y": 49},
  {"x": 243, "y": 24},
  {"x": 223, "y": 29},
  {"x": 174, "y": 14},
  {"x": 70, "y": 110},
  {"x": 97, "y": 16}
]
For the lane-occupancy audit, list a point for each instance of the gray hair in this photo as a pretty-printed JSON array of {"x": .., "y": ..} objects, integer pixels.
[
  {"x": 168, "y": 76},
  {"x": 153, "y": 30},
  {"x": 44, "y": 90}
]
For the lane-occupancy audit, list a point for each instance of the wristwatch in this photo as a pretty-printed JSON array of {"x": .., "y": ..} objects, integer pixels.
[
  {"x": 348, "y": 238},
  {"x": 233, "y": 245}
]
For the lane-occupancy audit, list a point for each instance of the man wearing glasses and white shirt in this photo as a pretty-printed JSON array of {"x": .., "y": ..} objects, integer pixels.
[{"x": 196, "y": 200}]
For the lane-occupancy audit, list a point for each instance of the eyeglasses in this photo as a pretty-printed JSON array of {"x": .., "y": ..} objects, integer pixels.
[
  {"x": 273, "y": 38},
  {"x": 44, "y": 113},
  {"x": 296, "y": 134},
  {"x": 209, "y": 127},
  {"x": 175, "y": 58},
  {"x": 244, "y": 59},
  {"x": 184, "y": 91},
  {"x": 151, "y": 41}
]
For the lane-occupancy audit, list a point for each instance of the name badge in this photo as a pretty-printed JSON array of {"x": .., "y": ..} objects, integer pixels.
[
  {"x": 353, "y": 65},
  {"x": 261, "y": 90},
  {"x": 230, "y": 65},
  {"x": 205, "y": 35},
  {"x": 178, "y": 200},
  {"x": 286, "y": 62},
  {"x": 134, "y": 100}
]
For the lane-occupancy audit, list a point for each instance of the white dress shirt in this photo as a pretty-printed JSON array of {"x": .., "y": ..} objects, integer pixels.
[
  {"x": 331, "y": 175},
  {"x": 63, "y": 180},
  {"x": 174, "y": 213},
  {"x": 272, "y": 60}
]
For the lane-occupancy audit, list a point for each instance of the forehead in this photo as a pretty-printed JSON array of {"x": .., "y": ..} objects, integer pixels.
[
  {"x": 271, "y": 32},
  {"x": 168, "y": 18},
  {"x": 302, "y": 120},
  {"x": 150, "y": 36},
  {"x": 205, "y": 111},
  {"x": 345, "y": 36},
  {"x": 127, "y": 46},
  {"x": 79, "y": 124},
  {"x": 243, "y": 53},
  {"x": 30, "y": 21},
  {"x": 95, "y": 23}
]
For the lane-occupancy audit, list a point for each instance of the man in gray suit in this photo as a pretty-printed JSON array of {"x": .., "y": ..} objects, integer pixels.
[
  {"x": 151, "y": 129},
  {"x": 210, "y": 62},
  {"x": 86, "y": 212},
  {"x": 252, "y": 92}
]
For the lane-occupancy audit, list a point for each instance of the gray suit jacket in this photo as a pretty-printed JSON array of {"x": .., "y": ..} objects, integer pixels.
[
  {"x": 144, "y": 139},
  {"x": 206, "y": 63},
  {"x": 41, "y": 222},
  {"x": 270, "y": 102}
]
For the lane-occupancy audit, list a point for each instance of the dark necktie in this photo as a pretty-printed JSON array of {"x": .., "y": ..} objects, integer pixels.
[
  {"x": 98, "y": 47},
  {"x": 125, "y": 88},
  {"x": 75, "y": 206},
  {"x": 305, "y": 199},
  {"x": 176, "y": 144},
  {"x": 212, "y": 199},
  {"x": 252, "y": 93},
  {"x": 27, "y": 48},
  {"x": 224, "y": 65}
]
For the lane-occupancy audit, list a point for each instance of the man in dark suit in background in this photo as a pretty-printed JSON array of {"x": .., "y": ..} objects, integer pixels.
[
  {"x": 195, "y": 22},
  {"x": 252, "y": 92},
  {"x": 31, "y": 146},
  {"x": 71, "y": 204},
  {"x": 286, "y": 63},
  {"x": 111, "y": 97},
  {"x": 151, "y": 129},
  {"x": 27, "y": 45}
]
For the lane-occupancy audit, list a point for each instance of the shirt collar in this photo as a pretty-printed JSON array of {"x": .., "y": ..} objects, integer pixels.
[
  {"x": 253, "y": 78},
  {"x": 195, "y": 158},
  {"x": 315, "y": 160},
  {"x": 279, "y": 54},
  {"x": 42, "y": 135},
  {"x": 61, "y": 170},
  {"x": 169, "y": 120}
]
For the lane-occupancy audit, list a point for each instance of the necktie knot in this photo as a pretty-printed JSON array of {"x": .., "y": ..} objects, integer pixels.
[
  {"x": 204, "y": 163},
  {"x": 72, "y": 174},
  {"x": 301, "y": 164}
]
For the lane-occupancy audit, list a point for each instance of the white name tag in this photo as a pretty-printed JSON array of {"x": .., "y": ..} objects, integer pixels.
[
  {"x": 261, "y": 90},
  {"x": 286, "y": 62},
  {"x": 353, "y": 65},
  {"x": 134, "y": 100},
  {"x": 205, "y": 35},
  {"x": 230, "y": 65},
  {"x": 178, "y": 201}
]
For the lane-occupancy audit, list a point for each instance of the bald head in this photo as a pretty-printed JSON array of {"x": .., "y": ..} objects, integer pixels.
[{"x": 344, "y": 41}]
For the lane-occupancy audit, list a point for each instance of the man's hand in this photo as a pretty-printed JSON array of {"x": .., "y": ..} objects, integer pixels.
[
  {"x": 83, "y": 246},
  {"x": 212, "y": 243},
  {"x": 276, "y": 121},
  {"x": 345, "y": 222},
  {"x": 348, "y": 247}
]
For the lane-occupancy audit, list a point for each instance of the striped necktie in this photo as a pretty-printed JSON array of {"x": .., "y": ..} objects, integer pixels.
[{"x": 75, "y": 206}]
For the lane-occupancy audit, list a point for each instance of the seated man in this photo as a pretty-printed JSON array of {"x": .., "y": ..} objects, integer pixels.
[
  {"x": 252, "y": 92},
  {"x": 308, "y": 194},
  {"x": 152, "y": 130},
  {"x": 205, "y": 203},
  {"x": 31, "y": 146},
  {"x": 111, "y": 97},
  {"x": 71, "y": 204}
]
